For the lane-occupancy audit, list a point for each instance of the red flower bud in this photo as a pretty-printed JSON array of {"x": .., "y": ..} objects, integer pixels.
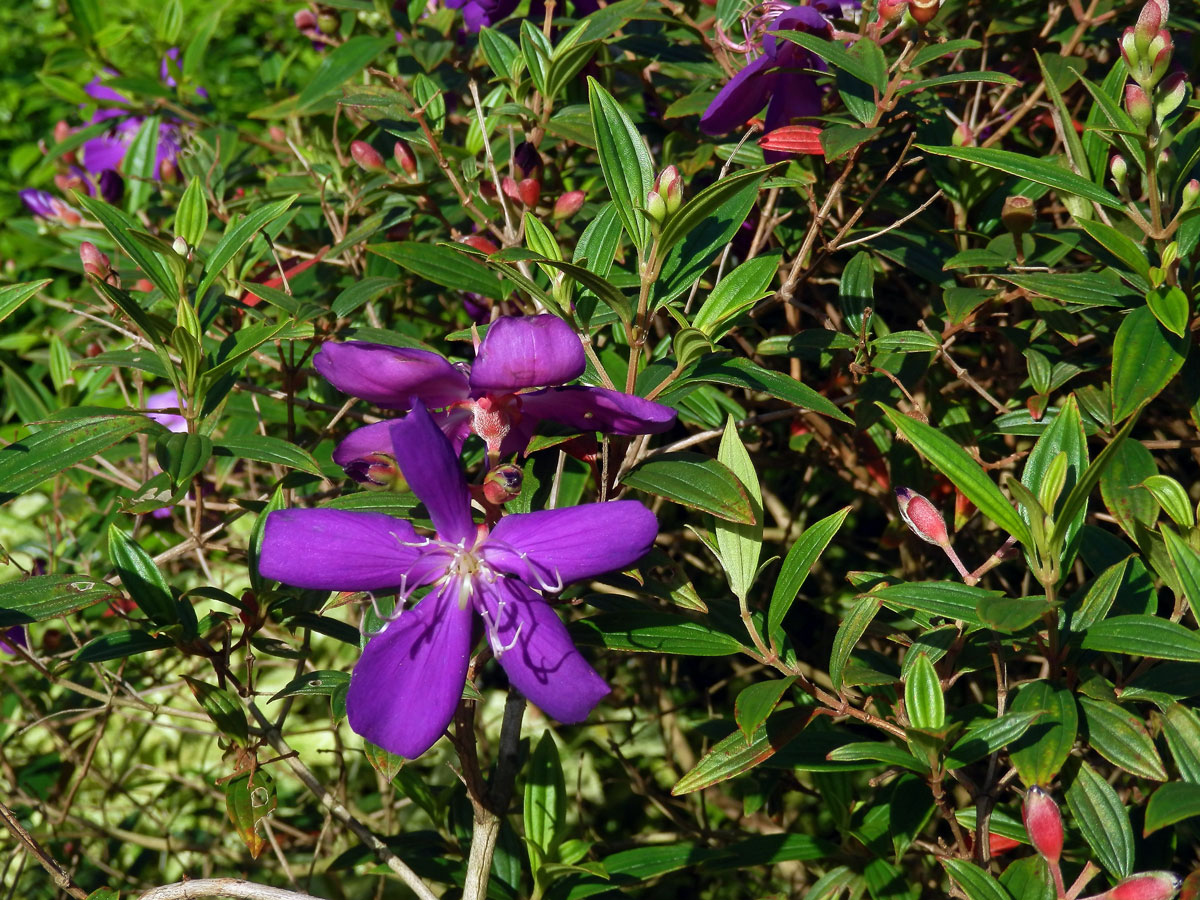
[
  {"x": 1147, "y": 886},
  {"x": 94, "y": 262},
  {"x": 923, "y": 11},
  {"x": 502, "y": 484},
  {"x": 405, "y": 158},
  {"x": 529, "y": 190},
  {"x": 891, "y": 10},
  {"x": 922, "y": 517},
  {"x": 480, "y": 243},
  {"x": 567, "y": 205},
  {"x": 366, "y": 156},
  {"x": 1137, "y": 104},
  {"x": 1043, "y": 821}
]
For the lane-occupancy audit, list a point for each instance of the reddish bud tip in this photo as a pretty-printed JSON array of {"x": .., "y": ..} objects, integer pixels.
[
  {"x": 93, "y": 260},
  {"x": 366, "y": 156},
  {"x": 891, "y": 10},
  {"x": 480, "y": 243},
  {"x": 568, "y": 204},
  {"x": 1043, "y": 821},
  {"x": 669, "y": 186},
  {"x": 922, "y": 517},
  {"x": 1137, "y": 104},
  {"x": 405, "y": 158},
  {"x": 1147, "y": 886},
  {"x": 963, "y": 136}
]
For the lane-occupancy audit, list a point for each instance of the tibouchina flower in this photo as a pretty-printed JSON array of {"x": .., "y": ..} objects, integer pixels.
[
  {"x": 495, "y": 397},
  {"x": 13, "y": 637},
  {"x": 166, "y": 400},
  {"x": 779, "y": 76},
  {"x": 406, "y": 686}
]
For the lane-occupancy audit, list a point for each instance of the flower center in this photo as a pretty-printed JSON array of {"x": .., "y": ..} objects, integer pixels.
[{"x": 493, "y": 416}]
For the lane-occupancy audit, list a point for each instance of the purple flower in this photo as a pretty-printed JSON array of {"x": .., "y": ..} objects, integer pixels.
[
  {"x": 166, "y": 400},
  {"x": 406, "y": 686},
  {"x": 105, "y": 152},
  {"x": 47, "y": 206},
  {"x": 494, "y": 398},
  {"x": 482, "y": 13},
  {"x": 778, "y": 76},
  {"x": 12, "y": 638}
]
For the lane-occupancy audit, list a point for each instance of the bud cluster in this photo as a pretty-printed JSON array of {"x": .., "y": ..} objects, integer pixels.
[
  {"x": 665, "y": 197},
  {"x": 1147, "y": 49}
]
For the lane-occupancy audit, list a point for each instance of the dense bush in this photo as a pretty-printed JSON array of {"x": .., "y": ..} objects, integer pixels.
[{"x": 794, "y": 404}]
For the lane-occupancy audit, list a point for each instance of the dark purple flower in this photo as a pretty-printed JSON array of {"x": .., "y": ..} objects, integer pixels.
[
  {"x": 779, "y": 77},
  {"x": 482, "y": 13},
  {"x": 495, "y": 398},
  {"x": 406, "y": 686},
  {"x": 12, "y": 638}
]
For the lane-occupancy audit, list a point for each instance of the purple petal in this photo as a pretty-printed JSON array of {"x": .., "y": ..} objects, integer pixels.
[
  {"x": 166, "y": 400},
  {"x": 12, "y": 638},
  {"x": 554, "y": 547},
  {"x": 168, "y": 147},
  {"x": 740, "y": 99},
  {"x": 527, "y": 351},
  {"x": 362, "y": 442},
  {"x": 799, "y": 97},
  {"x": 98, "y": 90},
  {"x": 390, "y": 377},
  {"x": 542, "y": 662},
  {"x": 598, "y": 409},
  {"x": 406, "y": 686},
  {"x": 340, "y": 550},
  {"x": 430, "y": 466},
  {"x": 104, "y": 152},
  {"x": 40, "y": 203},
  {"x": 798, "y": 18}
]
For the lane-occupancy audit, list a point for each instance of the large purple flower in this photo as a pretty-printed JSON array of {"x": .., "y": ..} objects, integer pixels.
[
  {"x": 405, "y": 688},
  {"x": 779, "y": 77},
  {"x": 494, "y": 398},
  {"x": 105, "y": 152}
]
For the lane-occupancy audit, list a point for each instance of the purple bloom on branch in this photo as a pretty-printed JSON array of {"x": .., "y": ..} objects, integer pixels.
[
  {"x": 406, "y": 686},
  {"x": 779, "y": 76},
  {"x": 166, "y": 400},
  {"x": 495, "y": 397},
  {"x": 12, "y": 638}
]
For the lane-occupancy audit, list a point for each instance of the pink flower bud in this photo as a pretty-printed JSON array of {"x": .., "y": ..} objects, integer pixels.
[
  {"x": 62, "y": 131},
  {"x": 529, "y": 189},
  {"x": 305, "y": 19},
  {"x": 923, "y": 11},
  {"x": 1171, "y": 95},
  {"x": 508, "y": 184},
  {"x": 669, "y": 186},
  {"x": 366, "y": 156},
  {"x": 1147, "y": 886},
  {"x": 168, "y": 172},
  {"x": 1191, "y": 192},
  {"x": 94, "y": 262},
  {"x": 567, "y": 205},
  {"x": 1137, "y": 104},
  {"x": 405, "y": 158},
  {"x": 963, "y": 136},
  {"x": 656, "y": 207},
  {"x": 1043, "y": 821},
  {"x": 480, "y": 243},
  {"x": 922, "y": 517},
  {"x": 891, "y": 10},
  {"x": 1152, "y": 18},
  {"x": 1120, "y": 172},
  {"x": 502, "y": 484}
]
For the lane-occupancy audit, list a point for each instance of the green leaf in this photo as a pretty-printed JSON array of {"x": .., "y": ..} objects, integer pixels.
[
  {"x": 607, "y": 293},
  {"x": 658, "y": 633},
  {"x": 1102, "y": 820},
  {"x": 501, "y": 53},
  {"x": 223, "y": 708},
  {"x": 443, "y": 265},
  {"x": 848, "y": 634},
  {"x": 1170, "y": 306},
  {"x": 705, "y": 205},
  {"x": 191, "y": 219},
  {"x": 1042, "y": 750},
  {"x": 740, "y": 543},
  {"x": 339, "y": 66},
  {"x": 878, "y": 751},
  {"x": 746, "y": 374},
  {"x": 103, "y": 893},
  {"x": 545, "y": 810},
  {"x": 800, "y": 559},
  {"x": 26, "y": 463},
  {"x": 322, "y": 683},
  {"x": 993, "y": 735},
  {"x": 1172, "y": 498},
  {"x": 1036, "y": 170},
  {"x": 923, "y": 699},
  {"x": 249, "y": 799},
  {"x": 386, "y": 764},
  {"x": 141, "y": 578},
  {"x": 624, "y": 160},
  {"x": 1011, "y": 614},
  {"x": 13, "y": 295},
  {"x": 1077, "y": 498},
  {"x": 42, "y": 597},
  {"x": 734, "y": 754},
  {"x": 756, "y": 702},
  {"x": 975, "y": 883},
  {"x": 362, "y": 291},
  {"x": 1121, "y": 738},
  {"x": 694, "y": 481},
  {"x": 1171, "y": 803},
  {"x": 1120, "y": 246},
  {"x": 1141, "y": 635},
  {"x": 141, "y": 160},
  {"x": 1181, "y": 725},
  {"x": 956, "y": 78},
  {"x": 1146, "y": 357},
  {"x": 735, "y": 294},
  {"x": 967, "y": 475},
  {"x": 867, "y": 68},
  {"x": 120, "y": 645},
  {"x": 182, "y": 455},
  {"x": 121, "y": 227},
  {"x": 1064, "y": 435},
  {"x": 947, "y": 599},
  {"x": 1187, "y": 565},
  {"x": 275, "y": 451},
  {"x": 239, "y": 233},
  {"x": 1065, "y": 122}
]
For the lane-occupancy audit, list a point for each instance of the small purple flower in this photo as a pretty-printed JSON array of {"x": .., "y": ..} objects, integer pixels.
[
  {"x": 406, "y": 686},
  {"x": 12, "y": 638},
  {"x": 166, "y": 400},
  {"x": 495, "y": 398},
  {"x": 47, "y": 206},
  {"x": 779, "y": 76}
]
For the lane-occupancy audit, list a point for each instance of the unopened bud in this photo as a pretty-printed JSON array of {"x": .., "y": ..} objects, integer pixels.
[
  {"x": 1152, "y": 18},
  {"x": 963, "y": 136},
  {"x": 1129, "y": 49},
  {"x": 377, "y": 471},
  {"x": 1147, "y": 886},
  {"x": 502, "y": 484},
  {"x": 526, "y": 161},
  {"x": 1043, "y": 821},
  {"x": 923, "y": 11},
  {"x": 1018, "y": 214},
  {"x": 405, "y": 158},
  {"x": 1119, "y": 169},
  {"x": 66, "y": 214},
  {"x": 94, "y": 262},
  {"x": 891, "y": 10},
  {"x": 1191, "y": 192},
  {"x": 69, "y": 181},
  {"x": 305, "y": 20},
  {"x": 62, "y": 131},
  {"x": 508, "y": 185},
  {"x": 168, "y": 172},
  {"x": 366, "y": 156},
  {"x": 480, "y": 243},
  {"x": 328, "y": 23},
  {"x": 1158, "y": 55},
  {"x": 180, "y": 246},
  {"x": 568, "y": 204},
  {"x": 1137, "y": 104},
  {"x": 1171, "y": 95},
  {"x": 529, "y": 189},
  {"x": 656, "y": 207},
  {"x": 669, "y": 186},
  {"x": 922, "y": 517}
]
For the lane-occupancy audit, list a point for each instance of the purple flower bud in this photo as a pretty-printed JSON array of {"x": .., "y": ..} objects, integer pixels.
[
  {"x": 502, "y": 484},
  {"x": 1043, "y": 821},
  {"x": 526, "y": 161},
  {"x": 112, "y": 186},
  {"x": 568, "y": 204},
  {"x": 366, "y": 156},
  {"x": 1147, "y": 886},
  {"x": 377, "y": 471},
  {"x": 405, "y": 158},
  {"x": 1137, "y": 104},
  {"x": 922, "y": 517}
]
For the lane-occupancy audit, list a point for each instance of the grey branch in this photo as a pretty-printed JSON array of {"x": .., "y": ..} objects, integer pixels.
[{"x": 220, "y": 887}]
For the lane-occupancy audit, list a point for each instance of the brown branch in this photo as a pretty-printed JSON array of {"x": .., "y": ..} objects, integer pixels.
[
  {"x": 220, "y": 887},
  {"x": 57, "y": 873}
]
